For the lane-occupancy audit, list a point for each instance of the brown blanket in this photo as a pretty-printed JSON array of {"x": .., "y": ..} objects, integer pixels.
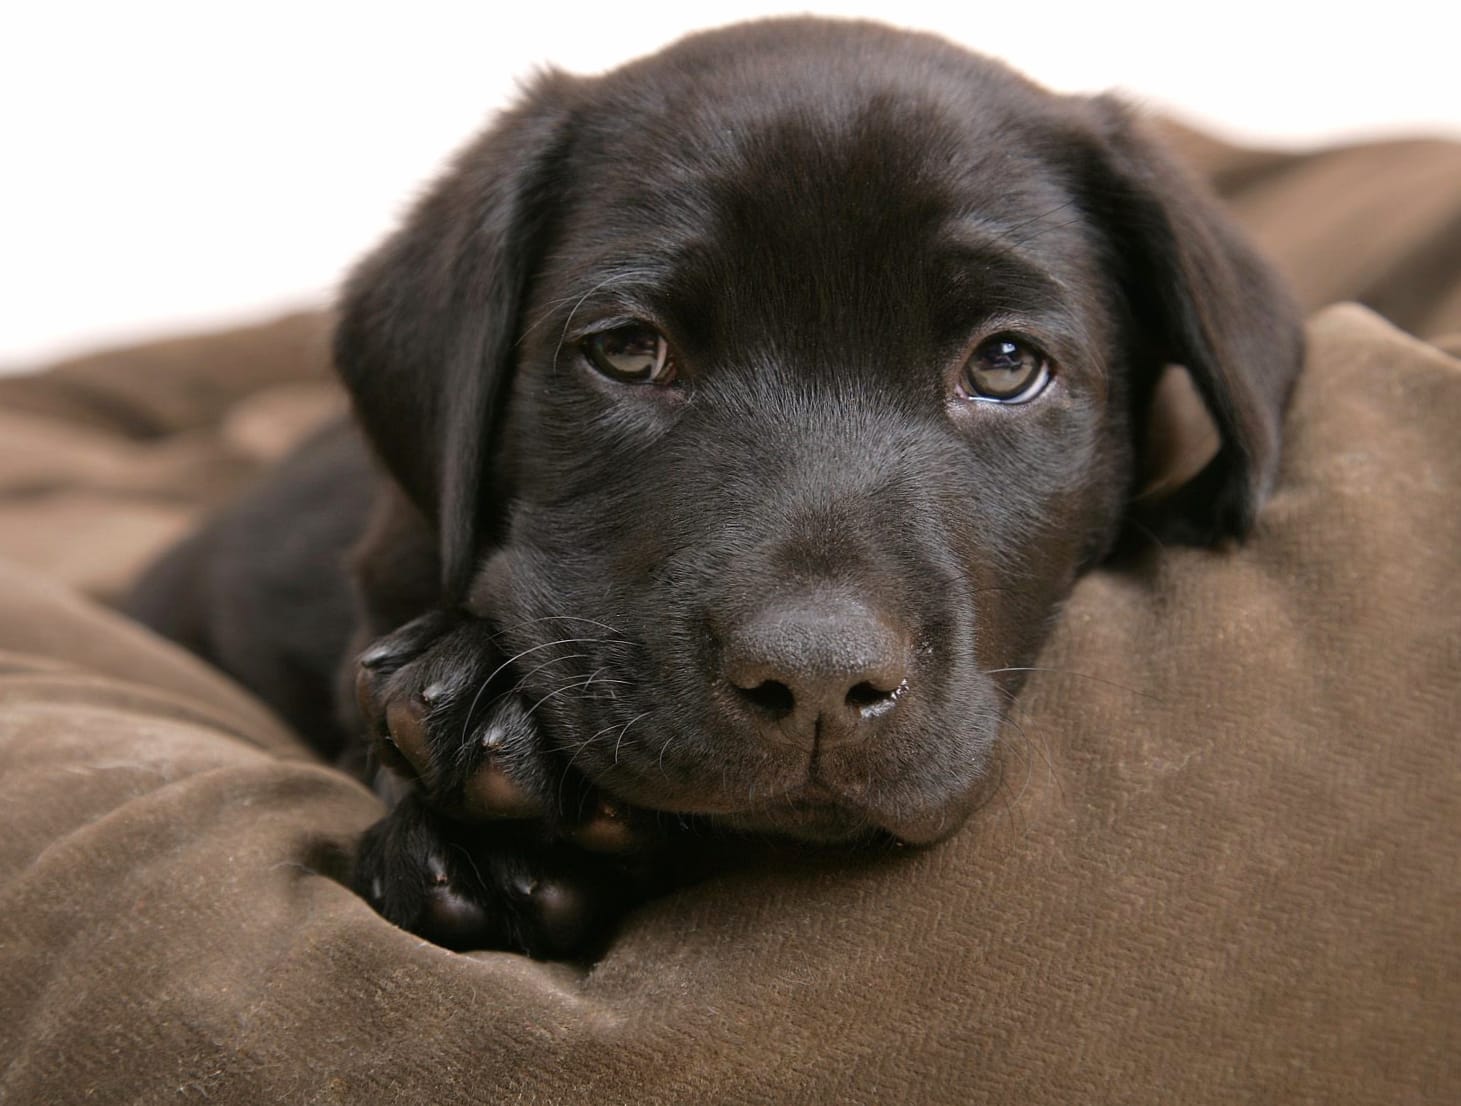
[{"x": 1223, "y": 866}]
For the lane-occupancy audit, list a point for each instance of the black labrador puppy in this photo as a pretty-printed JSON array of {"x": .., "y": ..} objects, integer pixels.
[{"x": 733, "y": 426}]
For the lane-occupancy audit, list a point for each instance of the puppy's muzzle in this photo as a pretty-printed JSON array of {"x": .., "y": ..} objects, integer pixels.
[{"x": 814, "y": 671}]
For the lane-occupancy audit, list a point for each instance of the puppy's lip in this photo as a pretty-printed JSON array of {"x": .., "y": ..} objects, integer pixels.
[
  {"x": 813, "y": 809},
  {"x": 814, "y": 803},
  {"x": 815, "y": 793},
  {"x": 811, "y": 794},
  {"x": 804, "y": 797},
  {"x": 922, "y": 828}
]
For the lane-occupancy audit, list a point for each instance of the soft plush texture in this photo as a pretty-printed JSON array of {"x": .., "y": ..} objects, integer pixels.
[{"x": 1222, "y": 865}]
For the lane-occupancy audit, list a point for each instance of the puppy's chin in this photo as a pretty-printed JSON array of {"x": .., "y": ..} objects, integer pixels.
[
  {"x": 817, "y": 815},
  {"x": 831, "y": 825},
  {"x": 815, "y": 823}
]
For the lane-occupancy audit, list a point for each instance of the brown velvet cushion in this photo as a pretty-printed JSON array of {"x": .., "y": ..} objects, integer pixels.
[{"x": 1222, "y": 865}]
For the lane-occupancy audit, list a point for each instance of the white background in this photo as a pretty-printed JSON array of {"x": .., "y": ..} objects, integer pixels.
[{"x": 168, "y": 165}]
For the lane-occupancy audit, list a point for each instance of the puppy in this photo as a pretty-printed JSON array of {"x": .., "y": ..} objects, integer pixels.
[{"x": 729, "y": 430}]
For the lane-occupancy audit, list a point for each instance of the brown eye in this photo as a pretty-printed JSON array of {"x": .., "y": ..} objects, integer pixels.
[
  {"x": 633, "y": 353},
  {"x": 1004, "y": 369}
]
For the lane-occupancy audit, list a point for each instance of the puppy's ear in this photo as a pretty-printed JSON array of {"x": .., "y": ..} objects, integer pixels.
[
  {"x": 429, "y": 322},
  {"x": 1200, "y": 297}
]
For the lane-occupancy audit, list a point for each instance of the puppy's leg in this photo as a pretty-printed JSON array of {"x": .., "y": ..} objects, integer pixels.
[
  {"x": 496, "y": 842},
  {"x": 493, "y": 842},
  {"x": 506, "y": 887}
]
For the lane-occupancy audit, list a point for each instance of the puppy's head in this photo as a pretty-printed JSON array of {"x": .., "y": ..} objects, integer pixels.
[{"x": 771, "y": 392}]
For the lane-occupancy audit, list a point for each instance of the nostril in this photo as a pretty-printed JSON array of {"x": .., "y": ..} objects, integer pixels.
[
  {"x": 771, "y": 696},
  {"x": 870, "y": 700},
  {"x": 865, "y": 695}
]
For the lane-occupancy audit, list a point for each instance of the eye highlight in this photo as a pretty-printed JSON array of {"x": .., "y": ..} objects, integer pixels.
[
  {"x": 1005, "y": 369},
  {"x": 634, "y": 353}
]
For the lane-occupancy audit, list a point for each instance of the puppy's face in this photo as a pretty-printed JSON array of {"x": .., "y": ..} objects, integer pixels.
[{"x": 826, "y": 354}]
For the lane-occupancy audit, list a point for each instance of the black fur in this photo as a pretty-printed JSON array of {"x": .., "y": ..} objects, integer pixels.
[{"x": 791, "y": 591}]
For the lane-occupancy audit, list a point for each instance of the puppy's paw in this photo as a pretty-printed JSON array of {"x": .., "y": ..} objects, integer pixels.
[
  {"x": 438, "y": 699},
  {"x": 444, "y": 708},
  {"x": 495, "y": 843},
  {"x": 487, "y": 886}
]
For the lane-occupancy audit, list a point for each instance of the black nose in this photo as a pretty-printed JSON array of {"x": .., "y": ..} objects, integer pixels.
[{"x": 820, "y": 672}]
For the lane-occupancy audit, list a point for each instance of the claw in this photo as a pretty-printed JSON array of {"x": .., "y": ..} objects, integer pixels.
[
  {"x": 366, "y": 698},
  {"x": 446, "y": 915},
  {"x": 452, "y": 919},
  {"x": 491, "y": 792},
  {"x": 387, "y": 753},
  {"x": 388, "y": 756},
  {"x": 378, "y": 655},
  {"x": 607, "y": 830},
  {"x": 405, "y": 724},
  {"x": 561, "y": 912}
]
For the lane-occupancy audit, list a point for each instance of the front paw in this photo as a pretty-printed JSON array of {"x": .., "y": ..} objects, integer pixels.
[
  {"x": 445, "y": 710},
  {"x": 495, "y": 842},
  {"x": 473, "y": 887}
]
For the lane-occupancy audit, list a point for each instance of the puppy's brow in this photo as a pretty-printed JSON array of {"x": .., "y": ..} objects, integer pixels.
[
  {"x": 999, "y": 247},
  {"x": 1035, "y": 225}
]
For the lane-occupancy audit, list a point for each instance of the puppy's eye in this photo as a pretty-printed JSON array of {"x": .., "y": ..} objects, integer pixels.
[
  {"x": 633, "y": 353},
  {"x": 1004, "y": 369}
]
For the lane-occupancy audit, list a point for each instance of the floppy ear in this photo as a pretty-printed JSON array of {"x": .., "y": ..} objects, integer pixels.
[
  {"x": 1200, "y": 297},
  {"x": 429, "y": 322}
]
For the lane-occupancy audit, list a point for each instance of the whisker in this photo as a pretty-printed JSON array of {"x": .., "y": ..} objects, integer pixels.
[
  {"x": 467, "y": 718},
  {"x": 1146, "y": 531},
  {"x": 1064, "y": 205},
  {"x": 624, "y": 276},
  {"x": 561, "y": 690},
  {"x": 536, "y": 648},
  {"x": 487, "y": 682},
  {"x": 616, "y": 278},
  {"x": 1077, "y": 675},
  {"x": 1037, "y": 748},
  {"x": 554, "y": 618},
  {"x": 999, "y": 790},
  {"x": 622, "y": 732},
  {"x": 1046, "y": 229},
  {"x": 580, "y": 746},
  {"x": 470, "y": 860},
  {"x": 523, "y": 679},
  {"x": 663, "y": 747}
]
